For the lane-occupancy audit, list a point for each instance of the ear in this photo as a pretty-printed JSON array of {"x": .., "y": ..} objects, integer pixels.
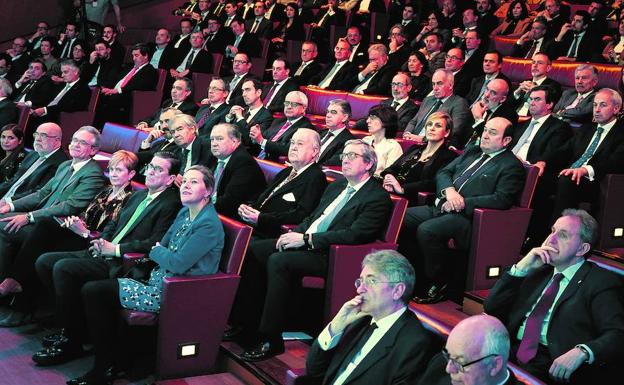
[
  {"x": 132, "y": 173},
  {"x": 583, "y": 249},
  {"x": 497, "y": 366},
  {"x": 507, "y": 140},
  {"x": 398, "y": 291}
]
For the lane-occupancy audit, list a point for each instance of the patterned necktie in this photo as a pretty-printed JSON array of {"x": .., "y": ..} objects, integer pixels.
[
  {"x": 576, "y": 101},
  {"x": 269, "y": 94},
  {"x": 525, "y": 137},
  {"x": 275, "y": 138},
  {"x": 533, "y": 327},
  {"x": 139, "y": 210},
  {"x": 326, "y": 138},
  {"x": 189, "y": 60},
  {"x": 217, "y": 176},
  {"x": 324, "y": 224},
  {"x": 590, "y": 150},
  {"x": 291, "y": 176},
  {"x": 463, "y": 178},
  {"x": 421, "y": 125},
  {"x": 204, "y": 117}
]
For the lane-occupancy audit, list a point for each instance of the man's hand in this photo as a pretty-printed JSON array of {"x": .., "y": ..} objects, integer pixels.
[
  {"x": 419, "y": 139},
  {"x": 536, "y": 258},
  {"x": 93, "y": 57},
  {"x": 478, "y": 110},
  {"x": 454, "y": 200},
  {"x": 526, "y": 86},
  {"x": 121, "y": 28},
  {"x": 290, "y": 240},
  {"x": 154, "y": 134},
  {"x": 38, "y": 111},
  {"x": 542, "y": 166},
  {"x": 174, "y": 74},
  {"x": 526, "y": 37},
  {"x": 575, "y": 174},
  {"x": 370, "y": 67},
  {"x": 566, "y": 364},
  {"x": 142, "y": 126},
  {"x": 457, "y": 32},
  {"x": 75, "y": 224},
  {"x": 15, "y": 222},
  {"x": 103, "y": 248},
  {"x": 391, "y": 184},
  {"x": 256, "y": 134},
  {"x": 349, "y": 312},
  {"x": 25, "y": 77},
  {"x": 109, "y": 91},
  {"x": 248, "y": 214},
  {"x": 564, "y": 29}
]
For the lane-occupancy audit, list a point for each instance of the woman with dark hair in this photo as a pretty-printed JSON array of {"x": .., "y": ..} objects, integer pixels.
[
  {"x": 435, "y": 23},
  {"x": 289, "y": 29},
  {"x": 12, "y": 142},
  {"x": 80, "y": 53},
  {"x": 415, "y": 170},
  {"x": 614, "y": 50},
  {"x": 516, "y": 22},
  {"x": 382, "y": 124},
  {"x": 418, "y": 68}
]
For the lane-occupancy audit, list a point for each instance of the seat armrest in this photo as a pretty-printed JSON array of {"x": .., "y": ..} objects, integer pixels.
[{"x": 288, "y": 228}]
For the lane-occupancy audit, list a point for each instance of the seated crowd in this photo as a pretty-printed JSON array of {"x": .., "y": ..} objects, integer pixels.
[{"x": 452, "y": 134}]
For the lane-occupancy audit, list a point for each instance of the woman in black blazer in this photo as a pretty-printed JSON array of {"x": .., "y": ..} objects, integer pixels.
[
  {"x": 12, "y": 142},
  {"x": 416, "y": 169},
  {"x": 289, "y": 29}
]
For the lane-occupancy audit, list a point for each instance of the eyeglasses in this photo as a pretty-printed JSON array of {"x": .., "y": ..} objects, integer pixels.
[
  {"x": 350, "y": 155},
  {"x": 240, "y": 62},
  {"x": 452, "y": 57},
  {"x": 158, "y": 169},
  {"x": 368, "y": 281},
  {"x": 81, "y": 142},
  {"x": 459, "y": 366},
  {"x": 43, "y": 135},
  {"x": 393, "y": 84},
  {"x": 216, "y": 89},
  {"x": 292, "y": 104}
]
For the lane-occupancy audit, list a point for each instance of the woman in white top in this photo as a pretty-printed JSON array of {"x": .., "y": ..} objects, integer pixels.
[{"x": 382, "y": 126}]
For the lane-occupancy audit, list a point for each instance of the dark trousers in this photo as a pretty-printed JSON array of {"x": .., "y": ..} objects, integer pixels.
[
  {"x": 569, "y": 195},
  {"x": 267, "y": 276},
  {"x": 10, "y": 244}
]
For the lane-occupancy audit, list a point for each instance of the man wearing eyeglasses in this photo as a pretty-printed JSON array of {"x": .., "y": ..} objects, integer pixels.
[
  {"x": 352, "y": 211},
  {"x": 214, "y": 108},
  {"x": 374, "y": 338},
  {"x": 476, "y": 353},
  {"x": 19, "y": 58}
]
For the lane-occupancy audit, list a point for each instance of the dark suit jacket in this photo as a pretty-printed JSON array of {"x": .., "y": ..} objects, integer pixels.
[
  {"x": 188, "y": 107},
  {"x": 399, "y": 357},
  {"x": 263, "y": 117},
  {"x": 477, "y": 83},
  {"x": 463, "y": 79},
  {"x": 588, "y": 47},
  {"x": 108, "y": 75},
  {"x": 548, "y": 141},
  {"x": 151, "y": 225},
  {"x": 264, "y": 28},
  {"x": 583, "y": 111},
  {"x": 143, "y": 80},
  {"x": 249, "y": 44},
  {"x": 343, "y": 80},
  {"x": 496, "y": 185},
  {"x": 436, "y": 374},
  {"x": 361, "y": 220},
  {"x": 145, "y": 155},
  {"x": 524, "y": 96},
  {"x": 40, "y": 94},
  {"x": 331, "y": 154},
  {"x": 521, "y": 50},
  {"x": 277, "y": 103},
  {"x": 380, "y": 82},
  {"x": 505, "y": 110},
  {"x": 242, "y": 181},
  {"x": 474, "y": 64},
  {"x": 236, "y": 95},
  {"x": 200, "y": 154},
  {"x": 74, "y": 196},
  {"x": 275, "y": 149},
  {"x": 291, "y": 203},
  {"x": 8, "y": 112},
  {"x": 589, "y": 312},
  {"x": 202, "y": 62},
  {"x": 308, "y": 72},
  {"x": 217, "y": 116},
  {"x": 360, "y": 59},
  {"x": 76, "y": 99},
  {"x": 218, "y": 43},
  {"x": 406, "y": 112},
  {"x": 183, "y": 47},
  {"x": 38, "y": 178}
]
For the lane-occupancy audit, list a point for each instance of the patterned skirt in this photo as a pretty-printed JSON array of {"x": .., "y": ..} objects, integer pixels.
[{"x": 135, "y": 295}]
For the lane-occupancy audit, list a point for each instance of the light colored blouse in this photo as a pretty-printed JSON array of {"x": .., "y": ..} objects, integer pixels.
[{"x": 388, "y": 151}]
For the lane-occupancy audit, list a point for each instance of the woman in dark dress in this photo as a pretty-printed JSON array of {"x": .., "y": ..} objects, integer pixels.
[
  {"x": 289, "y": 29},
  {"x": 418, "y": 68},
  {"x": 12, "y": 142},
  {"x": 415, "y": 171}
]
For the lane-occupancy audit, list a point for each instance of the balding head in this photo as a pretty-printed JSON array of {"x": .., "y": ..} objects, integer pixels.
[
  {"x": 47, "y": 138},
  {"x": 304, "y": 148},
  {"x": 495, "y": 93}
]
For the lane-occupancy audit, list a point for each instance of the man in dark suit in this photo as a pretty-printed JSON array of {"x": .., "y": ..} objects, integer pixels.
[
  {"x": 180, "y": 43},
  {"x": 216, "y": 36},
  {"x": 158, "y": 140},
  {"x": 109, "y": 35},
  {"x": 38, "y": 166},
  {"x": 575, "y": 42},
  {"x": 294, "y": 192},
  {"x": 535, "y": 40},
  {"x": 241, "y": 65},
  {"x": 8, "y": 111},
  {"x": 540, "y": 67},
  {"x": 259, "y": 25},
  {"x": 196, "y": 59},
  {"x": 597, "y": 149},
  {"x": 274, "y": 94},
  {"x": 455, "y": 62},
  {"x": 141, "y": 223},
  {"x": 275, "y": 140},
  {"x": 358, "y": 55},
  {"x": 433, "y": 51},
  {"x": 163, "y": 50},
  {"x": 181, "y": 100},
  {"x": 19, "y": 58},
  {"x": 474, "y": 51},
  {"x": 398, "y": 47},
  {"x": 69, "y": 192},
  {"x": 476, "y": 352},
  {"x": 484, "y": 176},
  {"x": 443, "y": 99},
  {"x": 338, "y": 75},
  {"x": 242, "y": 41},
  {"x": 336, "y": 134},
  {"x": 309, "y": 66},
  {"x": 67, "y": 41},
  {"x": 254, "y": 115},
  {"x": 493, "y": 103},
  {"x": 363, "y": 9},
  {"x": 194, "y": 150},
  {"x": 321, "y": 24},
  {"x": 565, "y": 314},
  {"x": 375, "y": 77},
  {"x": 34, "y": 87},
  {"x": 215, "y": 110},
  {"x": 556, "y": 15},
  {"x": 492, "y": 66},
  {"x": 353, "y": 210},
  {"x": 238, "y": 178},
  {"x": 576, "y": 105},
  {"x": 274, "y": 11},
  {"x": 101, "y": 70},
  {"x": 374, "y": 338},
  {"x": 487, "y": 21}
]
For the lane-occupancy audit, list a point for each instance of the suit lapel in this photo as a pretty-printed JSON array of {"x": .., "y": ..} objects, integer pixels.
[
  {"x": 573, "y": 286},
  {"x": 76, "y": 176}
]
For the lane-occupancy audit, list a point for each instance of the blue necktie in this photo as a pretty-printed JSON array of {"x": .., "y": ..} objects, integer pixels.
[
  {"x": 324, "y": 224},
  {"x": 590, "y": 150}
]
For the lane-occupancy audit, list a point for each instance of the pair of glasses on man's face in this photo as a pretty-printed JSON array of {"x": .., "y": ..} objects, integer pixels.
[{"x": 458, "y": 365}]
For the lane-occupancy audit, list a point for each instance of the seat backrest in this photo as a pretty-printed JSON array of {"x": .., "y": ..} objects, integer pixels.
[
  {"x": 530, "y": 184},
  {"x": 217, "y": 60},
  {"x": 118, "y": 137},
  {"x": 257, "y": 67},
  {"x": 162, "y": 76},
  {"x": 359, "y": 134},
  {"x": 270, "y": 169},
  {"x": 237, "y": 236},
  {"x": 24, "y": 114},
  {"x": 95, "y": 94},
  {"x": 318, "y": 99},
  {"x": 517, "y": 70},
  {"x": 293, "y": 51},
  {"x": 399, "y": 206},
  {"x": 505, "y": 44},
  {"x": 360, "y": 104},
  {"x": 201, "y": 82}
]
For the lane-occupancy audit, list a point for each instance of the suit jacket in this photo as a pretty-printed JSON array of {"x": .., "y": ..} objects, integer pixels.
[
  {"x": 150, "y": 226},
  {"x": 457, "y": 107},
  {"x": 546, "y": 144},
  {"x": 263, "y": 117},
  {"x": 145, "y": 155},
  {"x": 343, "y": 79},
  {"x": 400, "y": 356},
  {"x": 361, "y": 220},
  {"x": 249, "y": 44},
  {"x": 477, "y": 83},
  {"x": 8, "y": 112},
  {"x": 331, "y": 154},
  {"x": 265, "y": 28},
  {"x": 292, "y": 202},
  {"x": 37, "y": 178},
  {"x": 144, "y": 79},
  {"x": 521, "y": 50},
  {"x": 505, "y": 110},
  {"x": 183, "y": 47},
  {"x": 496, "y": 185},
  {"x": 188, "y": 107},
  {"x": 40, "y": 94},
  {"x": 275, "y": 149},
  {"x": 360, "y": 58},
  {"x": 236, "y": 95},
  {"x": 277, "y": 103},
  {"x": 219, "y": 41},
  {"x": 308, "y": 72},
  {"x": 61, "y": 47},
  {"x": 463, "y": 79},
  {"x": 76, "y": 99},
  {"x": 474, "y": 64},
  {"x": 200, "y": 154},
  {"x": 589, "y": 311},
  {"x": 217, "y": 116},
  {"x": 524, "y": 96},
  {"x": 202, "y": 62},
  {"x": 242, "y": 181},
  {"x": 75, "y": 194},
  {"x": 583, "y": 111},
  {"x": 587, "y": 47},
  {"x": 380, "y": 81},
  {"x": 436, "y": 374},
  {"x": 106, "y": 77}
]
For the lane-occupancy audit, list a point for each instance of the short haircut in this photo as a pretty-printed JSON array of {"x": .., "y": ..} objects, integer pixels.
[
  {"x": 111, "y": 27},
  {"x": 186, "y": 19},
  {"x": 551, "y": 93},
  {"x": 344, "y": 106},
  {"x": 226, "y": 85},
  {"x": 188, "y": 83},
  {"x": 101, "y": 41},
  {"x": 479, "y": 34},
  {"x": 76, "y": 25},
  {"x": 389, "y": 118},
  {"x": 174, "y": 161},
  {"x": 369, "y": 154},
  {"x": 542, "y": 53},
  {"x": 255, "y": 81},
  {"x": 238, "y": 19},
  {"x": 127, "y": 158},
  {"x": 498, "y": 55},
  {"x": 509, "y": 128},
  {"x": 448, "y": 120},
  {"x": 437, "y": 35},
  {"x": 207, "y": 175},
  {"x": 448, "y": 75},
  {"x": 587, "y": 67},
  {"x": 615, "y": 97},
  {"x": 93, "y": 131},
  {"x": 50, "y": 40},
  {"x": 70, "y": 63},
  {"x": 40, "y": 61},
  {"x": 187, "y": 120},
  {"x": 496, "y": 341},
  {"x": 232, "y": 130},
  {"x": 5, "y": 87},
  {"x": 589, "y": 226},
  {"x": 310, "y": 42},
  {"x": 15, "y": 129},
  {"x": 316, "y": 138},
  {"x": 142, "y": 48},
  {"x": 395, "y": 267},
  {"x": 584, "y": 15},
  {"x": 175, "y": 111},
  {"x": 283, "y": 60},
  {"x": 400, "y": 27},
  {"x": 301, "y": 96},
  {"x": 541, "y": 20},
  {"x": 379, "y": 48}
]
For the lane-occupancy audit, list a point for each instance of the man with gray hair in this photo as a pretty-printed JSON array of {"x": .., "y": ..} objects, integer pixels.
[
  {"x": 8, "y": 111},
  {"x": 565, "y": 315},
  {"x": 374, "y": 338},
  {"x": 476, "y": 353},
  {"x": 193, "y": 149},
  {"x": 353, "y": 210},
  {"x": 376, "y": 77},
  {"x": 275, "y": 140},
  {"x": 337, "y": 133},
  {"x": 575, "y": 105}
]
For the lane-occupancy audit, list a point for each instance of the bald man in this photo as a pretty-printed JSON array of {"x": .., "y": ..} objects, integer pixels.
[{"x": 494, "y": 103}]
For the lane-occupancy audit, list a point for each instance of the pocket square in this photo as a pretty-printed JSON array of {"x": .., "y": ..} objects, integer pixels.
[{"x": 290, "y": 197}]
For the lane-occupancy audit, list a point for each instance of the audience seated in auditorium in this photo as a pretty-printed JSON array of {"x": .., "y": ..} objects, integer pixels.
[
  {"x": 275, "y": 11},
  {"x": 556, "y": 16},
  {"x": 410, "y": 20},
  {"x": 8, "y": 112},
  {"x": 214, "y": 108},
  {"x": 492, "y": 66},
  {"x": 304, "y": 70},
  {"x": 13, "y": 153},
  {"x": 159, "y": 139},
  {"x": 517, "y": 20},
  {"x": 259, "y": 25},
  {"x": 575, "y": 42},
  {"x": 435, "y": 24},
  {"x": 534, "y": 40},
  {"x": 34, "y": 42},
  {"x": 382, "y": 125},
  {"x": 181, "y": 42},
  {"x": 470, "y": 22},
  {"x": 336, "y": 133},
  {"x": 241, "y": 65},
  {"x": 398, "y": 48},
  {"x": 451, "y": 17},
  {"x": 255, "y": 115},
  {"x": 493, "y": 103},
  {"x": 67, "y": 40},
  {"x": 142, "y": 222},
  {"x": 416, "y": 169},
  {"x": 275, "y": 93},
  {"x": 293, "y": 193},
  {"x": 289, "y": 29},
  {"x": 433, "y": 51},
  {"x": 485, "y": 176},
  {"x": 193, "y": 148},
  {"x": 353, "y": 210},
  {"x": 474, "y": 50},
  {"x": 181, "y": 99},
  {"x": 19, "y": 58},
  {"x": 101, "y": 70},
  {"x": 216, "y": 36},
  {"x": 575, "y": 105},
  {"x": 540, "y": 67},
  {"x": 374, "y": 338},
  {"x": 162, "y": 49},
  {"x": 241, "y": 41},
  {"x": 564, "y": 314},
  {"x": 196, "y": 59},
  {"x": 375, "y": 77},
  {"x": 462, "y": 76},
  {"x": 109, "y": 35},
  {"x": 68, "y": 234},
  {"x": 34, "y": 87},
  {"x": 329, "y": 14},
  {"x": 358, "y": 54},
  {"x": 339, "y": 74}
]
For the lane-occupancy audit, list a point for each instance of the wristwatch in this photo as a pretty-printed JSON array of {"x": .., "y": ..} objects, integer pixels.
[
  {"x": 584, "y": 350},
  {"x": 306, "y": 241},
  {"x": 31, "y": 218}
]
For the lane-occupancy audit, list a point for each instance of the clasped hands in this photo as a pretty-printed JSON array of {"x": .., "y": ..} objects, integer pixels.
[
  {"x": 454, "y": 201},
  {"x": 248, "y": 214},
  {"x": 102, "y": 248},
  {"x": 289, "y": 240}
]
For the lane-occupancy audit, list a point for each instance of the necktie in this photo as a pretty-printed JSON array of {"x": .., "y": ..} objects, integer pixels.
[
  {"x": 254, "y": 28},
  {"x": 129, "y": 76},
  {"x": 234, "y": 82},
  {"x": 486, "y": 81},
  {"x": 354, "y": 352},
  {"x": 66, "y": 50},
  {"x": 463, "y": 178},
  {"x": 395, "y": 104},
  {"x": 25, "y": 90},
  {"x": 324, "y": 224},
  {"x": 574, "y": 46},
  {"x": 18, "y": 183},
  {"x": 326, "y": 138},
  {"x": 533, "y": 327},
  {"x": 301, "y": 68},
  {"x": 187, "y": 161},
  {"x": 204, "y": 117},
  {"x": 60, "y": 95},
  {"x": 421, "y": 125},
  {"x": 275, "y": 138},
  {"x": 590, "y": 150},
  {"x": 575, "y": 103},
  {"x": 525, "y": 137},
  {"x": 217, "y": 174},
  {"x": 531, "y": 51},
  {"x": 325, "y": 83},
  {"x": 237, "y": 41},
  {"x": 291, "y": 176},
  {"x": 269, "y": 94},
  {"x": 137, "y": 212},
  {"x": 189, "y": 60},
  {"x": 211, "y": 36}
]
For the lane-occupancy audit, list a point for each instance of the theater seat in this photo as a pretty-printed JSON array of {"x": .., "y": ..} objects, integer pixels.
[
  {"x": 195, "y": 309},
  {"x": 318, "y": 100},
  {"x": 270, "y": 169},
  {"x": 24, "y": 114},
  {"x": 611, "y": 216},
  {"x": 360, "y": 104},
  {"x": 70, "y": 122},
  {"x": 117, "y": 137},
  {"x": 144, "y": 103}
]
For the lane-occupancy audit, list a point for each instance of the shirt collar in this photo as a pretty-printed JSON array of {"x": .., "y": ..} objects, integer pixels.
[
  {"x": 386, "y": 322},
  {"x": 569, "y": 271},
  {"x": 76, "y": 166},
  {"x": 358, "y": 186},
  {"x": 609, "y": 125}
]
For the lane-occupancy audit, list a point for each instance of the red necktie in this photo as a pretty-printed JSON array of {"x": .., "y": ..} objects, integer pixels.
[
  {"x": 281, "y": 131},
  {"x": 128, "y": 77}
]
